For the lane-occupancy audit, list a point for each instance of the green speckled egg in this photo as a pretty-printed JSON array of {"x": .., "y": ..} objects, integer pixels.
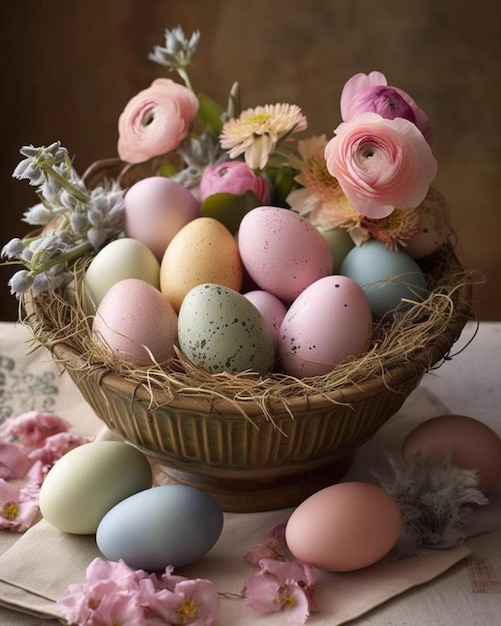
[{"x": 221, "y": 331}]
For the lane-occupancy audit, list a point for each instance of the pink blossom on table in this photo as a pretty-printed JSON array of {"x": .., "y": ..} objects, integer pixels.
[
  {"x": 190, "y": 601},
  {"x": 55, "y": 447},
  {"x": 31, "y": 429},
  {"x": 36, "y": 476},
  {"x": 17, "y": 512},
  {"x": 234, "y": 177},
  {"x": 155, "y": 121},
  {"x": 116, "y": 594},
  {"x": 381, "y": 164},
  {"x": 282, "y": 586},
  {"x": 14, "y": 461},
  {"x": 273, "y": 546},
  {"x": 364, "y": 93}
]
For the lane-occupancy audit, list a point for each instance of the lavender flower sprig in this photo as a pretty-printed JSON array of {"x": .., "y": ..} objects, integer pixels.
[
  {"x": 177, "y": 52},
  {"x": 75, "y": 220}
]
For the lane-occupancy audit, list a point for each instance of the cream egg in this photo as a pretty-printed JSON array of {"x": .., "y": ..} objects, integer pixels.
[
  {"x": 85, "y": 483},
  {"x": 120, "y": 259}
]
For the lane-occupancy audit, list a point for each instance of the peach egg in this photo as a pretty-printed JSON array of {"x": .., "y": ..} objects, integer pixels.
[{"x": 344, "y": 527}]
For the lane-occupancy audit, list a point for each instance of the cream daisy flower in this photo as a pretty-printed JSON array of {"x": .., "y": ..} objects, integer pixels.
[{"x": 257, "y": 131}]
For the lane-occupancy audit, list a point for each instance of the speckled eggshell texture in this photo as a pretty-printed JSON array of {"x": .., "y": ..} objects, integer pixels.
[
  {"x": 330, "y": 321},
  {"x": 204, "y": 251},
  {"x": 136, "y": 323},
  {"x": 436, "y": 226},
  {"x": 156, "y": 208},
  {"x": 282, "y": 252},
  {"x": 221, "y": 331}
]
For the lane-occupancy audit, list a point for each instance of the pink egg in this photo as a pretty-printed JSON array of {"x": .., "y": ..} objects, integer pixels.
[
  {"x": 330, "y": 321},
  {"x": 136, "y": 323},
  {"x": 156, "y": 208},
  {"x": 469, "y": 443},
  {"x": 282, "y": 252},
  {"x": 344, "y": 527},
  {"x": 271, "y": 308}
]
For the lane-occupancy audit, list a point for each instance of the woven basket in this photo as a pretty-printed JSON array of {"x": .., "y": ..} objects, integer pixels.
[{"x": 250, "y": 454}]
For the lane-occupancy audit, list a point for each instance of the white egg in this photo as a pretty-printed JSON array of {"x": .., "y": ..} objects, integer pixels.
[{"x": 118, "y": 260}]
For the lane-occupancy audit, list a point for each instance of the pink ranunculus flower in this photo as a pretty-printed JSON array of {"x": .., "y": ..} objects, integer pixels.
[
  {"x": 381, "y": 164},
  {"x": 370, "y": 93},
  {"x": 234, "y": 177},
  {"x": 155, "y": 121}
]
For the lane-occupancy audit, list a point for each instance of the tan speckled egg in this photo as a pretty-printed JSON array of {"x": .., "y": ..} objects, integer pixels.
[
  {"x": 136, "y": 323},
  {"x": 435, "y": 216},
  {"x": 203, "y": 251}
]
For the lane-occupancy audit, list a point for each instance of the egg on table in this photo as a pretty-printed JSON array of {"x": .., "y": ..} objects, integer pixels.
[
  {"x": 167, "y": 525},
  {"x": 344, "y": 527},
  {"x": 469, "y": 443},
  {"x": 85, "y": 483}
]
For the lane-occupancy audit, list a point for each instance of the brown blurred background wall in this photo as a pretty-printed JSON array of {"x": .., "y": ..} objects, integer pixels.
[{"x": 69, "y": 68}]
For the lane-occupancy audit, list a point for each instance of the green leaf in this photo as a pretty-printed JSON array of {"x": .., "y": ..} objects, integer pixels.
[
  {"x": 228, "y": 208},
  {"x": 209, "y": 114},
  {"x": 167, "y": 169}
]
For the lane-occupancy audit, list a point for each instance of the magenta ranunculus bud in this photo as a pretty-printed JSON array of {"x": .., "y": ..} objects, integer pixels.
[
  {"x": 370, "y": 93},
  {"x": 234, "y": 177}
]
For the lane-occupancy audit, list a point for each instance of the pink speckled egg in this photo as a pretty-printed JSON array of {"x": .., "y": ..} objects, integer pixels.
[
  {"x": 156, "y": 208},
  {"x": 330, "y": 321},
  {"x": 282, "y": 252},
  {"x": 271, "y": 308},
  {"x": 136, "y": 323}
]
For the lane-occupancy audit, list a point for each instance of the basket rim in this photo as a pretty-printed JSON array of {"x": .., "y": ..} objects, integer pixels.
[{"x": 422, "y": 361}]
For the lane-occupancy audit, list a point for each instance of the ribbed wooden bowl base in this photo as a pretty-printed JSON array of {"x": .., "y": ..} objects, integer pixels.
[{"x": 255, "y": 495}]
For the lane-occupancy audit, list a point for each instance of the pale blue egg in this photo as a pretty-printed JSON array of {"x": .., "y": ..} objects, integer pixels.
[
  {"x": 168, "y": 525},
  {"x": 387, "y": 277}
]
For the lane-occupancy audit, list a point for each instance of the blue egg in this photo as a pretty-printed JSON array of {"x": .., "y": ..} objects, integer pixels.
[
  {"x": 169, "y": 525},
  {"x": 387, "y": 277}
]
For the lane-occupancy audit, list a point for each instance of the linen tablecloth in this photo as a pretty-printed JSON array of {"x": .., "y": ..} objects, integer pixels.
[{"x": 458, "y": 586}]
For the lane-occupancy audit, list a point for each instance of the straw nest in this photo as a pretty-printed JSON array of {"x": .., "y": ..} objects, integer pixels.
[{"x": 417, "y": 338}]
